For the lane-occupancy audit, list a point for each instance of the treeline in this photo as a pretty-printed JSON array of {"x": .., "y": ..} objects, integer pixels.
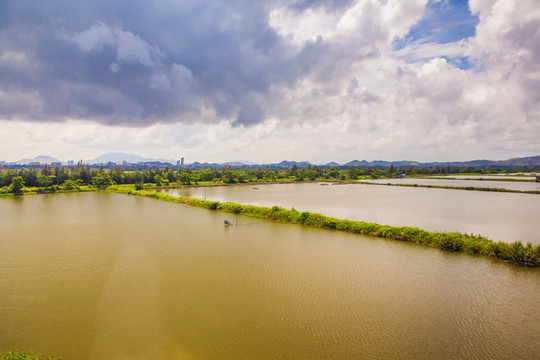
[
  {"x": 80, "y": 174},
  {"x": 67, "y": 178}
]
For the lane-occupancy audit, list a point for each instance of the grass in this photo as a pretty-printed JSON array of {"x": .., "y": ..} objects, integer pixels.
[
  {"x": 515, "y": 253},
  {"x": 49, "y": 190},
  {"x": 24, "y": 355}
]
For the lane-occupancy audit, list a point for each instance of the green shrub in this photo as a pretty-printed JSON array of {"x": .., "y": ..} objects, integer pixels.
[
  {"x": 70, "y": 185},
  {"x": 17, "y": 184},
  {"x": 500, "y": 250},
  {"x": 451, "y": 242},
  {"x": 523, "y": 256}
]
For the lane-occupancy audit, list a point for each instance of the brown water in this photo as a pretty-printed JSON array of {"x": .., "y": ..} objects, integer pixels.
[
  {"x": 526, "y": 176},
  {"x": 108, "y": 276},
  {"x": 499, "y": 216},
  {"x": 510, "y": 185}
]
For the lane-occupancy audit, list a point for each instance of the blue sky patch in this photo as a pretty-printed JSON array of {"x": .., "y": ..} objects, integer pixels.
[{"x": 444, "y": 21}]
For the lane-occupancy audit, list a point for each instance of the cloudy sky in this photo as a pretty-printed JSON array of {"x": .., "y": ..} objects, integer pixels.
[{"x": 268, "y": 80}]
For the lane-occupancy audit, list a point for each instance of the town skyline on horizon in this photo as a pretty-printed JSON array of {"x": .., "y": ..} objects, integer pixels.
[{"x": 128, "y": 159}]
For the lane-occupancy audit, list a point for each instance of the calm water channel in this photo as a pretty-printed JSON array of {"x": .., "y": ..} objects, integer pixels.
[
  {"x": 510, "y": 185},
  {"x": 527, "y": 177},
  {"x": 108, "y": 276},
  {"x": 499, "y": 216}
]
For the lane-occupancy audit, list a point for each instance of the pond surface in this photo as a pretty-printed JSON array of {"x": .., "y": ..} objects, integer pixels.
[
  {"x": 510, "y": 185},
  {"x": 500, "y": 216},
  {"x": 109, "y": 276},
  {"x": 521, "y": 177}
]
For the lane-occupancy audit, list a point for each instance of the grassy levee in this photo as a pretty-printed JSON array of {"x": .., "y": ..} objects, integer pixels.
[
  {"x": 34, "y": 190},
  {"x": 468, "y": 188},
  {"x": 487, "y": 178},
  {"x": 516, "y": 253}
]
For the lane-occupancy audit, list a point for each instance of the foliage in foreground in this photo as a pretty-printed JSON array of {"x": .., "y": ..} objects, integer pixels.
[
  {"x": 516, "y": 252},
  {"x": 17, "y": 355}
]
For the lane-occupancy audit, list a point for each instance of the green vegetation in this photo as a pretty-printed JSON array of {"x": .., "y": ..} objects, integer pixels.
[
  {"x": 84, "y": 178},
  {"x": 18, "y": 355},
  {"x": 516, "y": 253},
  {"x": 50, "y": 179},
  {"x": 17, "y": 184}
]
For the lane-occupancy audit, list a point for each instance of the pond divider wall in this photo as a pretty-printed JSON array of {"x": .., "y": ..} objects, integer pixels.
[
  {"x": 516, "y": 253},
  {"x": 470, "y": 188}
]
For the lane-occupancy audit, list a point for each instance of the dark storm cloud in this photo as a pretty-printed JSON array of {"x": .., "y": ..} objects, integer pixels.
[{"x": 140, "y": 62}]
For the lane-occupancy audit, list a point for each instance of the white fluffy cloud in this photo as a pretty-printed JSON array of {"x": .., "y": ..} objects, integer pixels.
[
  {"x": 431, "y": 104},
  {"x": 317, "y": 82}
]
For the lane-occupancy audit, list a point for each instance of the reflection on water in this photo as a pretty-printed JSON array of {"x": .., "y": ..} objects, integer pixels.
[
  {"x": 106, "y": 276},
  {"x": 499, "y": 216}
]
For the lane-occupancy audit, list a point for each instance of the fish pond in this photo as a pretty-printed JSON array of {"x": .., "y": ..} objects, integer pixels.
[
  {"x": 109, "y": 276},
  {"x": 499, "y": 216}
]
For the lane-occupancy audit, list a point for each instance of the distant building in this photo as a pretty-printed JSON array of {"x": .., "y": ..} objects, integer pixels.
[
  {"x": 71, "y": 163},
  {"x": 34, "y": 163},
  {"x": 56, "y": 163},
  {"x": 125, "y": 163},
  {"x": 182, "y": 161},
  {"x": 2, "y": 163}
]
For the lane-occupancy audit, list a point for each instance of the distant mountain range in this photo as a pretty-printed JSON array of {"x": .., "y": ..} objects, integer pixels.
[
  {"x": 42, "y": 159},
  {"x": 531, "y": 162},
  {"x": 120, "y": 157},
  {"x": 103, "y": 159}
]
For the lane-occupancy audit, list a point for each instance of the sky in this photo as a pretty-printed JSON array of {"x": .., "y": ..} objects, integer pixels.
[{"x": 269, "y": 80}]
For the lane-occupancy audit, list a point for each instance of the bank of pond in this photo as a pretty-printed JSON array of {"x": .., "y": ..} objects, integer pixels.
[
  {"x": 531, "y": 188},
  {"x": 516, "y": 253}
]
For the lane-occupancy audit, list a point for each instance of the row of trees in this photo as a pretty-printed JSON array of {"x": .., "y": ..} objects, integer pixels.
[
  {"x": 79, "y": 175},
  {"x": 85, "y": 175}
]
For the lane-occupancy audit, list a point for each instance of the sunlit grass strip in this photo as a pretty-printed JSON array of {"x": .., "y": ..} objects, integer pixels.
[
  {"x": 469, "y": 188},
  {"x": 24, "y": 355},
  {"x": 34, "y": 190},
  {"x": 516, "y": 253}
]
